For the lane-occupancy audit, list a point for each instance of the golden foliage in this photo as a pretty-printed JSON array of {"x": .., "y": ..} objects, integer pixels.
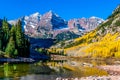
[
  {"x": 108, "y": 46},
  {"x": 92, "y": 46}
]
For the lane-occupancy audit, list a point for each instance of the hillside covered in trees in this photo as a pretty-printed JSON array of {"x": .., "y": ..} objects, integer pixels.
[
  {"x": 104, "y": 41},
  {"x": 12, "y": 40}
]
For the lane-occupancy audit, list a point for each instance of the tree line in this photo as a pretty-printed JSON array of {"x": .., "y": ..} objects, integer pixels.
[{"x": 13, "y": 41}]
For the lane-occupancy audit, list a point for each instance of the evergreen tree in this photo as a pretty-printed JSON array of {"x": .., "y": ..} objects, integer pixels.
[
  {"x": 15, "y": 53},
  {"x": 10, "y": 49},
  {"x": 12, "y": 31},
  {"x": 1, "y": 39},
  {"x": 5, "y": 29},
  {"x": 19, "y": 34},
  {"x": 26, "y": 48},
  {"x": 13, "y": 40},
  {"x": 21, "y": 43},
  {"x": 19, "y": 38}
]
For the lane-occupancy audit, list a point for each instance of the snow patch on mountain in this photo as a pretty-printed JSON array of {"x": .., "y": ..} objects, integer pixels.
[{"x": 50, "y": 24}]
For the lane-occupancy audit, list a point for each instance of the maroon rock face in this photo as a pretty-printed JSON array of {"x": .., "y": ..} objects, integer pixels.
[
  {"x": 87, "y": 23},
  {"x": 50, "y": 24},
  {"x": 51, "y": 21}
]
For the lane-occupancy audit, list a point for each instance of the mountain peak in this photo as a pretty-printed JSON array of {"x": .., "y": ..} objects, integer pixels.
[
  {"x": 93, "y": 17},
  {"x": 37, "y": 14},
  {"x": 52, "y": 21},
  {"x": 50, "y": 24},
  {"x": 51, "y": 13}
]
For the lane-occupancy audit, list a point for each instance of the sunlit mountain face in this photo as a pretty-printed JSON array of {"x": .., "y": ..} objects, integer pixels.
[{"x": 51, "y": 25}]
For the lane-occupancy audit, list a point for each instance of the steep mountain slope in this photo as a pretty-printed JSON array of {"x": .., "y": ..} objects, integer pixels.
[
  {"x": 104, "y": 41},
  {"x": 86, "y": 23},
  {"x": 50, "y": 25},
  {"x": 52, "y": 21},
  {"x": 43, "y": 26},
  {"x": 30, "y": 22}
]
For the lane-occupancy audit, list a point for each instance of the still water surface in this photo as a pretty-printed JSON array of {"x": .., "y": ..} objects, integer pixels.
[{"x": 50, "y": 70}]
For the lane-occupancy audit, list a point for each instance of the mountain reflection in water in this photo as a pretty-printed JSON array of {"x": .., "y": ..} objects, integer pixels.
[{"x": 49, "y": 70}]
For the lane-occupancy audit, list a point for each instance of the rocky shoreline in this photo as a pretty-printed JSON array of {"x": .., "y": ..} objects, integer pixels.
[
  {"x": 113, "y": 71},
  {"x": 93, "y": 78}
]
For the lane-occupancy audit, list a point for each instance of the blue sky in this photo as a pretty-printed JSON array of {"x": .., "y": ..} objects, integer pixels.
[{"x": 67, "y": 9}]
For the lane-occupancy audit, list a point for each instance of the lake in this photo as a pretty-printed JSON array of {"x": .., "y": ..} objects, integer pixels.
[{"x": 50, "y": 70}]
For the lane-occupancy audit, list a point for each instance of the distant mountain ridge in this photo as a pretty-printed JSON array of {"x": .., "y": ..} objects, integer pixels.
[
  {"x": 49, "y": 25},
  {"x": 87, "y": 23}
]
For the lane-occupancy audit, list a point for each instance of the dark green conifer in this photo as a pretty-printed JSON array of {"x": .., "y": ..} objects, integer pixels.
[
  {"x": 10, "y": 49},
  {"x": 5, "y": 29}
]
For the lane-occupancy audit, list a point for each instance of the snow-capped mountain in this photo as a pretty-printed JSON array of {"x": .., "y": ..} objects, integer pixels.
[
  {"x": 31, "y": 20},
  {"x": 28, "y": 22},
  {"x": 43, "y": 26},
  {"x": 49, "y": 25},
  {"x": 86, "y": 23},
  {"x": 51, "y": 21}
]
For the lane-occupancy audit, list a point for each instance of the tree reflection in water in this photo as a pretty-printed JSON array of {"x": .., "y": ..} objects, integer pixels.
[{"x": 49, "y": 70}]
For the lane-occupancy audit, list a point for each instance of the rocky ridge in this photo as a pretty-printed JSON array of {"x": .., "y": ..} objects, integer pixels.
[{"x": 49, "y": 25}]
